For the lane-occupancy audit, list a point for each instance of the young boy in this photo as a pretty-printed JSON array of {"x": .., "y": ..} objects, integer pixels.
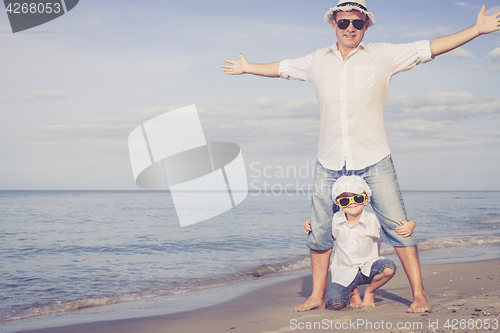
[{"x": 357, "y": 259}]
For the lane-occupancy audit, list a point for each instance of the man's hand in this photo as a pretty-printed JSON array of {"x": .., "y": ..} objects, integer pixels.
[
  {"x": 236, "y": 67},
  {"x": 243, "y": 66},
  {"x": 406, "y": 228},
  {"x": 307, "y": 227},
  {"x": 486, "y": 24}
]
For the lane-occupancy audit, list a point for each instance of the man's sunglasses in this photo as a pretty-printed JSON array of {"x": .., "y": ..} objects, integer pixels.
[
  {"x": 357, "y": 199},
  {"x": 343, "y": 24}
]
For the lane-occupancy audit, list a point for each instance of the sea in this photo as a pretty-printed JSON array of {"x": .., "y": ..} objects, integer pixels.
[{"x": 66, "y": 252}]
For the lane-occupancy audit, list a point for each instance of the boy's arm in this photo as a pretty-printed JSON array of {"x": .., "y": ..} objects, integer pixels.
[
  {"x": 484, "y": 25},
  {"x": 406, "y": 229},
  {"x": 243, "y": 66}
]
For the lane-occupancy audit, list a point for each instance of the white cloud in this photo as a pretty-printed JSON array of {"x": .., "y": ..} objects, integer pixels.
[
  {"x": 489, "y": 11},
  {"x": 443, "y": 120},
  {"x": 492, "y": 10},
  {"x": 432, "y": 32},
  {"x": 113, "y": 123},
  {"x": 444, "y": 106},
  {"x": 494, "y": 55},
  {"x": 460, "y": 53},
  {"x": 270, "y": 127},
  {"x": 291, "y": 126},
  {"x": 277, "y": 130},
  {"x": 267, "y": 126},
  {"x": 462, "y": 4},
  {"x": 490, "y": 67},
  {"x": 216, "y": 115},
  {"x": 47, "y": 95}
]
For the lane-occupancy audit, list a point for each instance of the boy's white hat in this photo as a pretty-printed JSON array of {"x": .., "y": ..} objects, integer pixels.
[
  {"x": 345, "y": 6},
  {"x": 350, "y": 184}
]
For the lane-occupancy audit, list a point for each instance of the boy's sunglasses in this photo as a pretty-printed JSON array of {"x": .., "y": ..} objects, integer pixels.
[
  {"x": 343, "y": 24},
  {"x": 346, "y": 201}
]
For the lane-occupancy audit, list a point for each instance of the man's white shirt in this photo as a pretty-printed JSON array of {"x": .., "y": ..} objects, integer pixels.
[
  {"x": 358, "y": 246},
  {"x": 351, "y": 94}
]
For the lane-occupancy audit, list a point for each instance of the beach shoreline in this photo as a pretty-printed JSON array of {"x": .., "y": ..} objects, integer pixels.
[
  {"x": 111, "y": 262},
  {"x": 463, "y": 296}
]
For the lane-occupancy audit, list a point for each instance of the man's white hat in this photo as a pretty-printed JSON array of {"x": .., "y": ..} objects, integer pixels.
[
  {"x": 345, "y": 6},
  {"x": 350, "y": 184}
]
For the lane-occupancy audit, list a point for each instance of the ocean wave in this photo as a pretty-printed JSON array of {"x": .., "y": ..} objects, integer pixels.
[
  {"x": 255, "y": 272},
  {"x": 423, "y": 245},
  {"x": 291, "y": 265},
  {"x": 58, "y": 307},
  {"x": 444, "y": 242},
  {"x": 448, "y": 242}
]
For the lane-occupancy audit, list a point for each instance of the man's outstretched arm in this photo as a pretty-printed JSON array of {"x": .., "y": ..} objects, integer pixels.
[
  {"x": 484, "y": 25},
  {"x": 243, "y": 66}
]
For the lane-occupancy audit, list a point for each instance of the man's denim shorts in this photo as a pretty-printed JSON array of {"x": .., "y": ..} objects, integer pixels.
[
  {"x": 386, "y": 201},
  {"x": 338, "y": 294}
]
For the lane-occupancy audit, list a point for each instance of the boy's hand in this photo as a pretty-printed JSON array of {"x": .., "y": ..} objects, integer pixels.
[
  {"x": 307, "y": 227},
  {"x": 406, "y": 229}
]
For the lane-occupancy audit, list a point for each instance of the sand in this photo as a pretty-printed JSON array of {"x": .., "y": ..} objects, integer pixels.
[{"x": 464, "y": 297}]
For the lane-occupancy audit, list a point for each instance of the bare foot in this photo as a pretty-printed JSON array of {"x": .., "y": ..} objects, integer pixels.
[
  {"x": 310, "y": 304},
  {"x": 419, "y": 305},
  {"x": 368, "y": 300},
  {"x": 355, "y": 299}
]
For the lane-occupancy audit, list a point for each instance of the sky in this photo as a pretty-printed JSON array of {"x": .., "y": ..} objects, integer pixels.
[{"x": 73, "y": 89}]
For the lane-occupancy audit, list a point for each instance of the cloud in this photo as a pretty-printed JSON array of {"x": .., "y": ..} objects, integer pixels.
[
  {"x": 291, "y": 126},
  {"x": 262, "y": 108},
  {"x": 47, "y": 95},
  {"x": 460, "y": 53},
  {"x": 113, "y": 123},
  {"x": 489, "y": 11},
  {"x": 444, "y": 106},
  {"x": 271, "y": 127},
  {"x": 494, "y": 55},
  {"x": 217, "y": 115},
  {"x": 435, "y": 31},
  {"x": 492, "y": 10},
  {"x": 462, "y": 4},
  {"x": 489, "y": 67},
  {"x": 265, "y": 126},
  {"x": 443, "y": 120}
]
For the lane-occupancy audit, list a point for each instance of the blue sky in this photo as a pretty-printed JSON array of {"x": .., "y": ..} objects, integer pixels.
[{"x": 73, "y": 89}]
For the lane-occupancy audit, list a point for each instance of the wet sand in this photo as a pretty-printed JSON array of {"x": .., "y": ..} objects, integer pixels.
[{"x": 464, "y": 297}]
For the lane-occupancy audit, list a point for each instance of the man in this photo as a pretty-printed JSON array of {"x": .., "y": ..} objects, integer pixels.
[{"x": 351, "y": 81}]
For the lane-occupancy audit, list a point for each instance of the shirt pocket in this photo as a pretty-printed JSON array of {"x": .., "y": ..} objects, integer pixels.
[
  {"x": 364, "y": 244},
  {"x": 364, "y": 76}
]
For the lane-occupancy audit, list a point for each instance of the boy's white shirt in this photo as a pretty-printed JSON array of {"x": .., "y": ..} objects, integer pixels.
[{"x": 358, "y": 246}]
